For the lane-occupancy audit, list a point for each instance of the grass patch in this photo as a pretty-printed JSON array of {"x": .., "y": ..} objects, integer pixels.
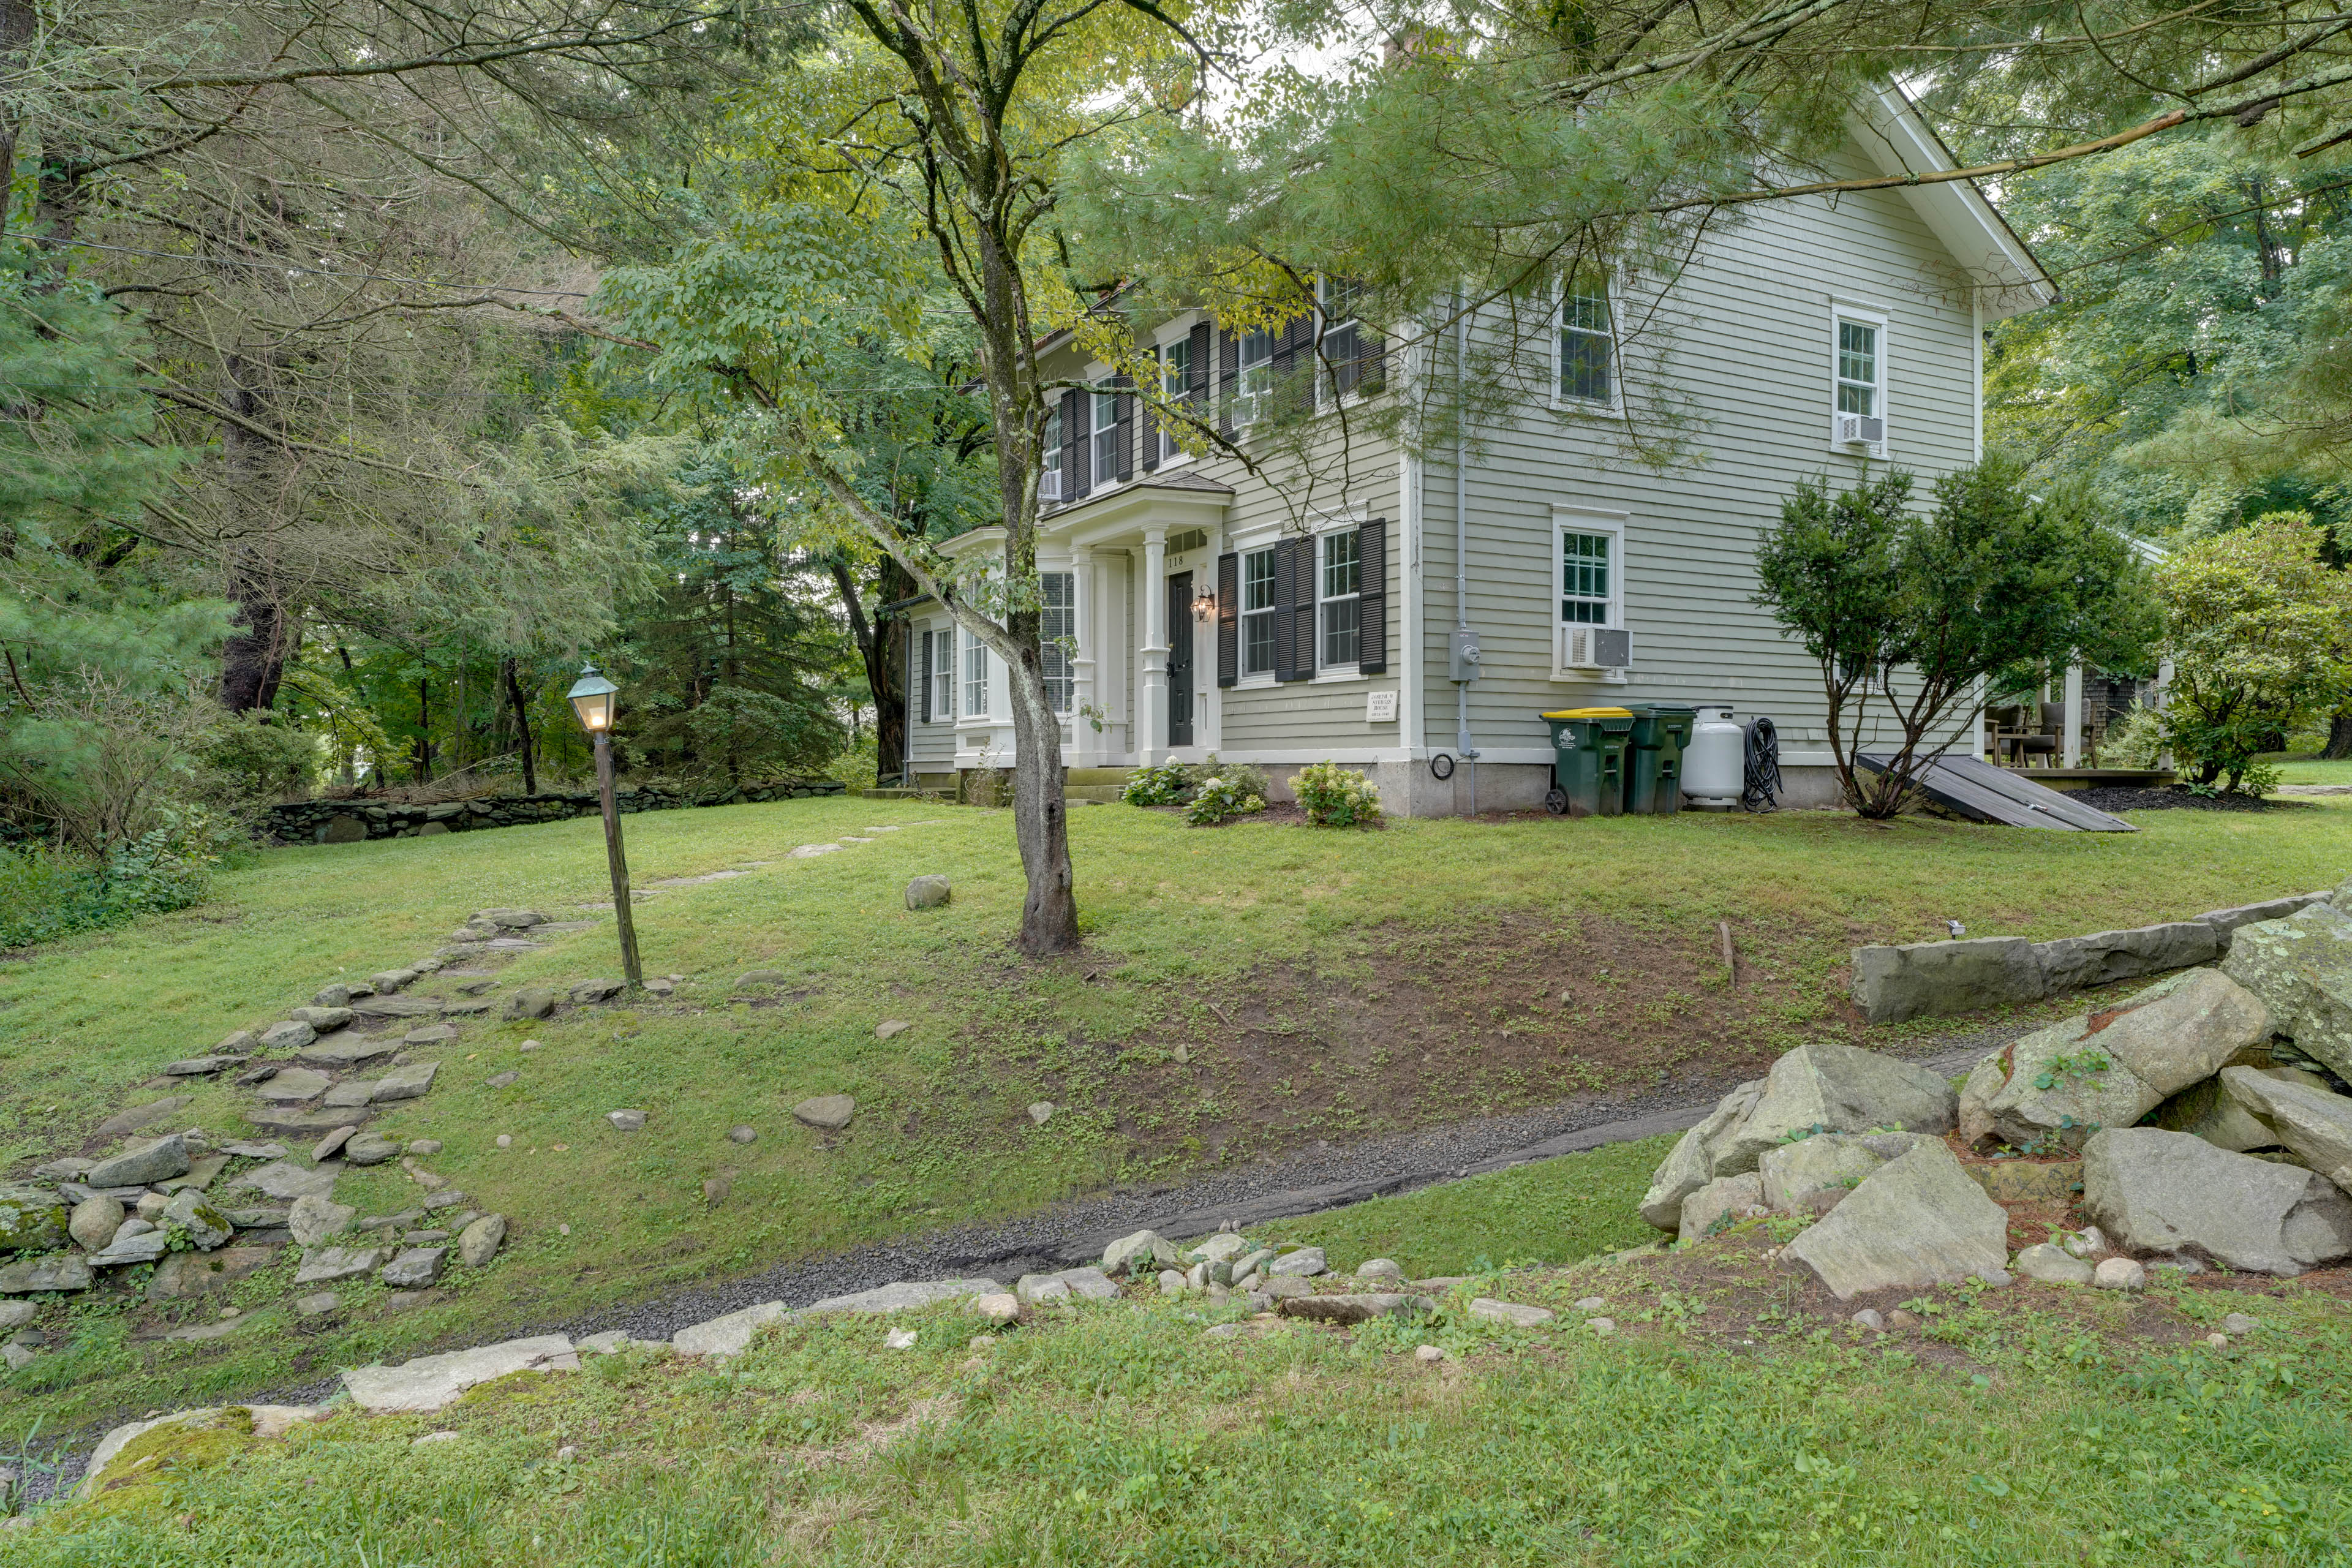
[
  {"x": 1241, "y": 988},
  {"x": 2033, "y": 1425},
  {"x": 1555, "y": 1211},
  {"x": 2312, "y": 770}
]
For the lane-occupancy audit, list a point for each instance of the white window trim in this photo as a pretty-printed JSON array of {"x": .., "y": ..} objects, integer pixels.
[
  {"x": 1585, "y": 520},
  {"x": 1243, "y": 421},
  {"x": 1097, "y": 481},
  {"x": 1177, "y": 331},
  {"x": 965, "y": 642},
  {"x": 1354, "y": 395},
  {"x": 1078, "y": 633},
  {"x": 1875, "y": 317},
  {"x": 1352, "y": 671},
  {"x": 1560, "y": 402},
  {"x": 945, "y": 686}
]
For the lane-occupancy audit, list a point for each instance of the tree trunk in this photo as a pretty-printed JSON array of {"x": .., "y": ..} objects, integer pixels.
[
  {"x": 253, "y": 656},
  {"x": 879, "y": 642},
  {"x": 2339, "y": 737},
  {"x": 522, "y": 726},
  {"x": 1041, "y": 821},
  {"x": 422, "y": 759}
]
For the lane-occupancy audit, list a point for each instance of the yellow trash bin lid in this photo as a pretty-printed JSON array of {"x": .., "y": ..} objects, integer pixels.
[{"x": 1591, "y": 713}]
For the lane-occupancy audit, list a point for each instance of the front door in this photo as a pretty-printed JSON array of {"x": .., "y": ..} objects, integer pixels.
[{"x": 1179, "y": 659}]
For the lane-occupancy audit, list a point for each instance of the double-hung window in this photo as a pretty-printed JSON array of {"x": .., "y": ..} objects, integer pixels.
[
  {"x": 975, "y": 676},
  {"x": 943, "y": 647},
  {"x": 1049, "y": 475},
  {"x": 1343, "y": 334},
  {"x": 1584, "y": 577},
  {"x": 1255, "y": 376},
  {"x": 1058, "y": 635},
  {"x": 1588, "y": 342},
  {"x": 1175, "y": 384},
  {"x": 1105, "y": 438},
  {"x": 1860, "y": 381},
  {"x": 1257, "y": 612},
  {"x": 1339, "y": 609}
]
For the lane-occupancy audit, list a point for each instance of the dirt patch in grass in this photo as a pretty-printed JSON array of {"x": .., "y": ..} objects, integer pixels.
[
  {"x": 1736, "y": 1293},
  {"x": 1411, "y": 1027}
]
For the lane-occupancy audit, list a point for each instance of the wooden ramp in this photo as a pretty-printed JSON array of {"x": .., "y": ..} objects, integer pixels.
[{"x": 1976, "y": 789}]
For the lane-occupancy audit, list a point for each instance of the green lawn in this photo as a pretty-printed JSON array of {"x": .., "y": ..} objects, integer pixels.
[
  {"x": 1137, "y": 1041},
  {"x": 2313, "y": 770},
  {"x": 1718, "y": 1426}
]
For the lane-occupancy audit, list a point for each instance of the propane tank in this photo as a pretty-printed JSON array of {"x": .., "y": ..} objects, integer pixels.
[{"x": 1714, "y": 763}]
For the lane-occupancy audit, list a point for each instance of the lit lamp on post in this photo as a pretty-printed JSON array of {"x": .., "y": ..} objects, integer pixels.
[{"x": 591, "y": 698}]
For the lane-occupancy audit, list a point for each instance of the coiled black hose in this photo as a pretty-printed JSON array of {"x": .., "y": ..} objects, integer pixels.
[{"x": 1761, "y": 786}]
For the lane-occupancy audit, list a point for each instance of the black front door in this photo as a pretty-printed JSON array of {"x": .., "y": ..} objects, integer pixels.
[{"x": 1179, "y": 659}]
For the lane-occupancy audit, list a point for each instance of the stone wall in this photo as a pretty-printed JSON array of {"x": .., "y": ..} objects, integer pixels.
[
  {"x": 349, "y": 821},
  {"x": 1924, "y": 978}
]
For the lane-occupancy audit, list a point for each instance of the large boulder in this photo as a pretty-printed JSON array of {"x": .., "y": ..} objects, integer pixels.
[
  {"x": 2301, "y": 967},
  {"x": 32, "y": 1219},
  {"x": 155, "y": 1161},
  {"x": 2314, "y": 1122},
  {"x": 1829, "y": 1088},
  {"x": 1722, "y": 1203},
  {"x": 2211, "y": 1113},
  {"x": 1917, "y": 1220},
  {"x": 2111, "y": 1067},
  {"x": 1813, "y": 1176},
  {"x": 2155, "y": 1191},
  {"x": 1691, "y": 1164}
]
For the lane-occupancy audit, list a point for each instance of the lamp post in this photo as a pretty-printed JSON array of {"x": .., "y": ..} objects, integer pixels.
[{"x": 591, "y": 698}]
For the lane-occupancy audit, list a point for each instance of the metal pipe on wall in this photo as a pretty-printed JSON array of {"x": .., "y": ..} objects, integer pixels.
[{"x": 1462, "y": 741}]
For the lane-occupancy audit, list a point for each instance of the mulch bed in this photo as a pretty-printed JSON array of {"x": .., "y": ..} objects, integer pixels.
[{"x": 2121, "y": 797}]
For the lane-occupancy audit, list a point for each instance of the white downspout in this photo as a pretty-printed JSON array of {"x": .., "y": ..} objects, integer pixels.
[{"x": 1462, "y": 740}]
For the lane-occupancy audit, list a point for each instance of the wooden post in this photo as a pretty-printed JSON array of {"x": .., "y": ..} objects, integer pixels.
[{"x": 619, "y": 862}]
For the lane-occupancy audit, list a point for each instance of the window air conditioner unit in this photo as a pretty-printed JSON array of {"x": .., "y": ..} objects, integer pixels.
[
  {"x": 1049, "y": 485},
  {"x": 1597, "y": 647},
  {"x": 1855, "y": 429}
]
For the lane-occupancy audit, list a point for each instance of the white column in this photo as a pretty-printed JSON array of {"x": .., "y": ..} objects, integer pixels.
[
  {"x": 1151, "y": 724},
  {"x": 2163, "y": 695},
  {"x": 1086, "y": 746},
  {"x": 2071, "y": 746}
]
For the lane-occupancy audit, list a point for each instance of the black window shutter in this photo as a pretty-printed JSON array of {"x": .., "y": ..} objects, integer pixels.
[
  {"x": 1152, "y": 420},
  {"x": 1076, "y": 408},
  {"x": 1229, "y": 375},
  {"x": 1196, "y": 367},
  {"x": 927, "y": 676},
  {"x": 1372, "y": 555},
  {"x": 1294, "y": 593},
  {"x": 1229, "y": 618},
  {"x": 1126, "y": 427},
  {"x": 1294, "y": 352}
]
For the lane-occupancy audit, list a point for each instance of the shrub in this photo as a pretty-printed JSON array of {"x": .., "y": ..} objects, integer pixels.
[
  {"x": 256, "y": 758},
  {"x": 1224, "y": 797},
  {"x": 2259, "y": 631},
  {"x": 1162, "y": 784},
  {"x": 1334, "y": 797},
  {"x": 46, "y": 894}
]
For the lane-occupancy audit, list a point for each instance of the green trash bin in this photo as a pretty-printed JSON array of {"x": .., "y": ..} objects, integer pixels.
[
  {"x": 1654, "y": 769},
  {"x": 1588, "y": 764}
]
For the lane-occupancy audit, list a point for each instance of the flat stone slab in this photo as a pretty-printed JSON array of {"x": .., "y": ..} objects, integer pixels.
[
  {"x": 39, "y": 1274},
  {"x": 728, "y": 1335},
  {"x": 428, "y": 1382},
  {"x": 138, "y": 1167},
  {"x": 1358, "y": 1306},
  {"x": 324, "y": 1265},
  {"x": 286, "y": 1181},
  {"x": 346, "y": 1052},
  {"x": 305, "y": 1126},
  {"x": 133, "y": 1119},
  {"x": 405, "y": 1083},
  {"x": 1915, "y": 1221},
  {"x": 201, "y": 1066},
  {"x": 292, "y": 1085},
  {"x": 1512, "y": 1313},
  {"x": 359, "y": 1092},
  {"x": 396, "y": 1007},
  {"x": 826, "y": 1112},
  {"x": 908, "y": 1293},
  {"x": 429, "y": 1035}
]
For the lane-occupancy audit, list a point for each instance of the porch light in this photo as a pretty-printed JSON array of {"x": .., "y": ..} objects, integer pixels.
[
  {"x": 591, "y": 698},
  {"x": 1204, "y": 605}
]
